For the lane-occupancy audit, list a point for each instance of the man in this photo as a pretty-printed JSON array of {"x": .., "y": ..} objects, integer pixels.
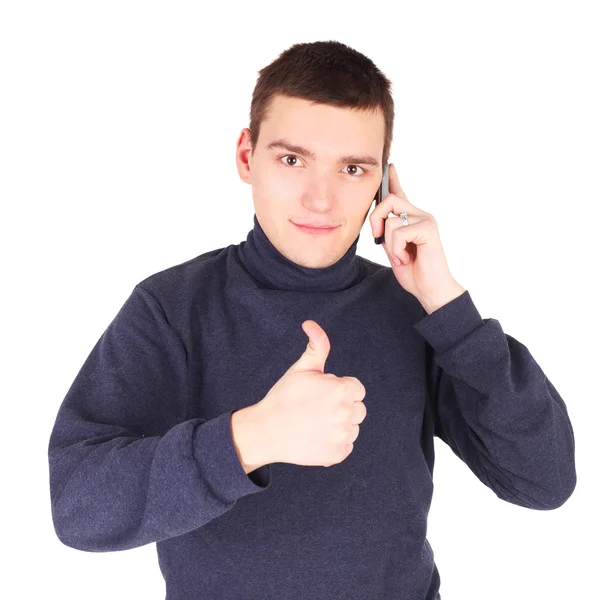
[{"x": 202, "y": 422}]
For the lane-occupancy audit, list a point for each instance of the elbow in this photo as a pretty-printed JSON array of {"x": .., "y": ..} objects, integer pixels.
[
  {"x": 72, "y": 520},
  {"x": 558, "y": 483},
  {"x": 86, "y": 532},
  {"x": 67, "y": 536},
  {"x": 71, "y": 533},
  {"x": 540, "y": 497},
  {"x": 563, "y": 493},
  {"x": 565, "y": 483},
  {"x": 557, "y": 496}
]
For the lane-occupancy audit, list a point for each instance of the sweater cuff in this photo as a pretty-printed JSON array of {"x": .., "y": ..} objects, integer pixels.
[
  {"x": 451, "y": 323},
  {"x": 215, "y": 452}
]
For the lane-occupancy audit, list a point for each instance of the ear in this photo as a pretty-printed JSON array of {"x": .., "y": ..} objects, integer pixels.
[{"x": 242, "y": 155}]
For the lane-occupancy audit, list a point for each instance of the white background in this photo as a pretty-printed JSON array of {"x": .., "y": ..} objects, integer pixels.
[{"x": 118, "y": 127}]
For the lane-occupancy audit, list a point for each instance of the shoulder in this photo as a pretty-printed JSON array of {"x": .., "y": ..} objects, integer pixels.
[
  {"x": 177, "y": 288},
  {"x": 184, "y": 276}
]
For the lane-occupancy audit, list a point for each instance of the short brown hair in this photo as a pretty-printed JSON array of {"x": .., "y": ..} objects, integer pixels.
[{"x": 328, "y": 73}]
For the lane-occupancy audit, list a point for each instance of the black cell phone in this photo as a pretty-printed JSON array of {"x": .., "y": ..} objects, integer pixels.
[{"x": 382, "y": 192}]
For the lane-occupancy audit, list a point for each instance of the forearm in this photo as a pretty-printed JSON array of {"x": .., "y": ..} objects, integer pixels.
[{"x": 248, "y": 439}]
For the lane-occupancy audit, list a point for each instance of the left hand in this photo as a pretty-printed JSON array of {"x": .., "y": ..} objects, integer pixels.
[{"x": 422, "y": 269}]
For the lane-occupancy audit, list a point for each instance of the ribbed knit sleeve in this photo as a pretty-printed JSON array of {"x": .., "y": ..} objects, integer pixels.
[
  {"x": 496, "y": 409},
  {"x": 126, "y": 468}
]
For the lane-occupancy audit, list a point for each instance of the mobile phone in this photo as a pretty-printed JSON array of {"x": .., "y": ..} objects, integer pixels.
[{"x": 382, "y": 192}]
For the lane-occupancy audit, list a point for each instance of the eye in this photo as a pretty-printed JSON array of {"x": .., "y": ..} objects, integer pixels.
[
  {"x": 363, "y": 171},
  {"x": 295, "y": 158},
  {"x": 286, "y": 156}
]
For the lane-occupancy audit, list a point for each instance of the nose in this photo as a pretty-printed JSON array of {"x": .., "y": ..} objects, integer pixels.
[{"x": 318, "y": 194}]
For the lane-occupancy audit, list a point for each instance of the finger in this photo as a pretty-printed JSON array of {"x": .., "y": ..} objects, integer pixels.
[
  {"x": 394, "y": 246},
  {"x": 404, "y": 238},
  {"x": 390, "y": 204}
]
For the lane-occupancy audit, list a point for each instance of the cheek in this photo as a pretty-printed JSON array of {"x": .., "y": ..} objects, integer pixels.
[
  {"x": 285, "y": 185},
  {"x": 272, "y": 176}
]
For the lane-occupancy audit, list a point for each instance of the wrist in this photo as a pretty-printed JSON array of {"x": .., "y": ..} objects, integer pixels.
[
  {"x": 247, "y": 439},
  {"x": 442, "y": 297}
]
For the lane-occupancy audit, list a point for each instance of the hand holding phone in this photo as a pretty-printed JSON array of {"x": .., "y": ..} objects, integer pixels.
[{"x": 382, "y": 192}]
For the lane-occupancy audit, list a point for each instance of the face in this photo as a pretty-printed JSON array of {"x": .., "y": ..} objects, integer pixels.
[{"x": 324, "y": 178}]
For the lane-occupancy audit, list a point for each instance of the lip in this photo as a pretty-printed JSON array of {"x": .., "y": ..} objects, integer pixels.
[{"x": 315, "y": 230}]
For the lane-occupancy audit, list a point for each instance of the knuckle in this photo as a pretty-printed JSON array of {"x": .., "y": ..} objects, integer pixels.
[
  {"x": 343, "y": 413},
  {"x": 361, "y": 387}
]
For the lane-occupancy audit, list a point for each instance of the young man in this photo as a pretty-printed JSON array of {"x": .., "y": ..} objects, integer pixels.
[{"x": 203, "y": 421}]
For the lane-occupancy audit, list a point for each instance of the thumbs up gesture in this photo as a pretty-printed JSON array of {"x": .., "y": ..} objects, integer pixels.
[{"x": 311, "y": 417}]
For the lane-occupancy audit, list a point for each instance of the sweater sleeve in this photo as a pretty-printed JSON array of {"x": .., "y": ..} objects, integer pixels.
[
  {"x": 125, "y": 467},
  {"x": 496, "y": 409}
]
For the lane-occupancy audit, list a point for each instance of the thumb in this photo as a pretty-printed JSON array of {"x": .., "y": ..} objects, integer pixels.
[{"x": 317, "y": 349}]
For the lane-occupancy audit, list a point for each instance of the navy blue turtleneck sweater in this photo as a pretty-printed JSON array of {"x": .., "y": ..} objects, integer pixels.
[{"x": 142, "y": 448}]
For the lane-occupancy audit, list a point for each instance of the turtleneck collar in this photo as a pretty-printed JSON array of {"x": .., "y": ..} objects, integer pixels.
[{"x": 273, "y": 270}]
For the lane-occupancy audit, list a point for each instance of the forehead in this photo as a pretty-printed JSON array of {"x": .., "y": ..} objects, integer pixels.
[{"x": 347, "y": 129}]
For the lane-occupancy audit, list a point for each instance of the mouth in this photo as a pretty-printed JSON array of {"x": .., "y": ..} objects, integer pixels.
[{"x": 315, "y": 230}]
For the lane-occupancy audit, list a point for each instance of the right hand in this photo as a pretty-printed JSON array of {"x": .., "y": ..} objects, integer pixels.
[{"x": 310, "y": 417}]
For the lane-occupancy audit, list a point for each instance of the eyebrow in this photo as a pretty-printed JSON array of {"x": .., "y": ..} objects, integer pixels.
[{"x": 349, "y": 158}]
